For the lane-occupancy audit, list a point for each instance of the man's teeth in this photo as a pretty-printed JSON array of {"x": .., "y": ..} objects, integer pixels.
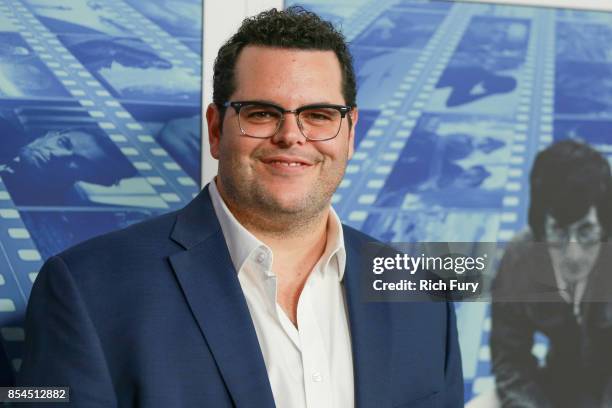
[{"x": 288, "y": 164}]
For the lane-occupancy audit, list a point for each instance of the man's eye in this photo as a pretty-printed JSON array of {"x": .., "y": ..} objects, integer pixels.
[
  {"x": 261, "y": 114},
  {"x": 588, "y": 230},
  {"x": 318, "y": 116},
  {"x": 65, "y": 142}
]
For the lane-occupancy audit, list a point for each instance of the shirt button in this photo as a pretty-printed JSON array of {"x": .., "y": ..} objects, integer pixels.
[
  {"x": 316, "y": 377},
  {"x": 261, "y": 257}
]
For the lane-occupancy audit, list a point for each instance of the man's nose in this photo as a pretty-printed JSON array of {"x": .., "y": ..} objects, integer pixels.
[
  {"x": 573, "y": 249},
  {"x": 289, "y": 132}
]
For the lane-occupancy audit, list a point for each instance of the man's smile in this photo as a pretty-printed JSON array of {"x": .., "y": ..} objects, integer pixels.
[{"x": 286, "y": 164}]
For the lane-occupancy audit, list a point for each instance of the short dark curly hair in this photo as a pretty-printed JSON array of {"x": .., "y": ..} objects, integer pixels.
[
  {"x": 293, "y": 27},
  {"x": 567, "y": 179}
]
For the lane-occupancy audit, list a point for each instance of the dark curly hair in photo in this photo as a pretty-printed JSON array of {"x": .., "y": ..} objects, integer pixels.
[
  {"x": 567, "y": 179},
  {"x": 295, "y": 28}
]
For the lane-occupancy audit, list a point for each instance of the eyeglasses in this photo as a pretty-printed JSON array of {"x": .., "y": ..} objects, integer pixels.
[
  {"x": 585, "y": 235},
  {"x": 263, "y": 120}
]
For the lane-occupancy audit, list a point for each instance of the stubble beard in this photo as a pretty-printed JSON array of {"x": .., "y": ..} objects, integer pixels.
[{"x": 255, "y": 207}]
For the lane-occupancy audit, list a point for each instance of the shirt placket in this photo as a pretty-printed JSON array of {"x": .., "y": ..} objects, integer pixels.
[{"x": 317, "y": 378}]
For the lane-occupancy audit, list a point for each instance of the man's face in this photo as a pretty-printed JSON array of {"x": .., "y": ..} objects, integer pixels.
[
  {"x": 67, "y": 157},
  {"x": 574, "y": 248},
  {"x": 253, "y": 173}
]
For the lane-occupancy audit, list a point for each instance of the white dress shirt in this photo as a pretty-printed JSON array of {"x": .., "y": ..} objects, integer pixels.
[{"x": 313, "y": 366}]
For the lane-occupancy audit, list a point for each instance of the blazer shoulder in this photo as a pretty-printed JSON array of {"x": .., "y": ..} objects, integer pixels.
[
  {"x": 146, "y": 238},
  {"x": 356, "y": 237}
]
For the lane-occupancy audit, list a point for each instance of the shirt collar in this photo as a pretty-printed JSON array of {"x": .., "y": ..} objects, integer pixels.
[
  {"x": 335, "y": 244},
  {"x": 242, "y": 243}
]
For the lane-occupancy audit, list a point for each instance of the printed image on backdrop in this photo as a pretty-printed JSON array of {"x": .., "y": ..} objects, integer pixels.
[
  {"x": 456, "y": 100},
  {"x": 100, "y": 123}
]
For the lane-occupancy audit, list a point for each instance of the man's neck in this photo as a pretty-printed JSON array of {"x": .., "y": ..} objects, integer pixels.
[
  {"x": 288, "y": 239},
  {"x": 282, "y": 232},
  {"x": 297, "y": 244}
]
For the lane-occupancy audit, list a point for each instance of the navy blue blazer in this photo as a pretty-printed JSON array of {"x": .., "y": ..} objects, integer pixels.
[{"x": 154, "y": 316}]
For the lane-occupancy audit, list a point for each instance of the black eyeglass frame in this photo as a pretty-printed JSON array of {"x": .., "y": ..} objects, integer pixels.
[{"x": 238, "y": 105}]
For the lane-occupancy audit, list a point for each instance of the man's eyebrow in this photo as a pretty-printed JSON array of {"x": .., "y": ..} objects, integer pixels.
[
  {"x": 259, "y": 101},
  {"x": 269, "y": 102}
]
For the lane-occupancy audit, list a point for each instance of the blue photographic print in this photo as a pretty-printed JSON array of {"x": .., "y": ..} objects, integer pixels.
[
  {"x": 468, "y": 87},
  {"x": 77, "y": 16},
  {"x": 483, "y": 74},
  {"x": 100, "y": 107},
  {"x": 365, "y": 122},
  {"x": 489, "y": 40},
  {"x": 584, "y": 42},
  {"x": 583, "y": 16},
  {"x": 57, "y": 155},
  {"x": 425, "y": 5},
  {"x": 22, "y": 73},
  {"x": 175, "y": 128},
  {"x": 583, "y": 88},
  {"x": 179, "y": 18},
  {"x": 454, "y": 119},
  {"x": 194, "y": 45},
  {"x": 439, "y": 224},
  {"x": 55, "y": 231},
  {"x": 450, "y": 161},
  {"x": 400, "y": 29},
  {"x": 8, "y": 24},
  {"x": 379, "y": 71},
  {"x": 132, "y": 70},
  {"x": 597, "y": 133},
  {"x": 46, "y": 170}
]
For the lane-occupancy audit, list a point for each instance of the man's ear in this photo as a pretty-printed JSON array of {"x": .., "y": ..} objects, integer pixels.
[
  {"x": 213, "y": 120},
  {"x": 354, "y": 117}
]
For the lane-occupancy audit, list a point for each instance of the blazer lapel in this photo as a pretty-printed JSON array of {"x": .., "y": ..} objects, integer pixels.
[
  {"x": 370, "y": 324},
  {"x": 211, "y": 287}
]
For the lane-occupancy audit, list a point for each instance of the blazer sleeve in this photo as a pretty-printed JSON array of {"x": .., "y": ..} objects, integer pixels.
[
  {"x": 62, "y": 347},
  {"x": 453, "y": 388}
]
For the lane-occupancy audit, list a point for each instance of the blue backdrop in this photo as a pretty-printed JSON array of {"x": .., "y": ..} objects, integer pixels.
[
  {"x": 455, "y": 101},
  {"x": 100, "y": 124},
  {"x": 99, "y": 129}
]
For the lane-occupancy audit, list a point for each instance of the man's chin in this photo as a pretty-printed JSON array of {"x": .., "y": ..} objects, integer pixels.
[
  {"x": 573, "y": 277},
  {"x": 293, "y": 204},
  {"x": 286, "y": 207}
]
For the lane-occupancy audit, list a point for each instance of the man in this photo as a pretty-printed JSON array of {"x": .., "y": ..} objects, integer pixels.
[
  {"x": 555, "y": 280},
  {"x": 45, "y": 170},
  {"x": 249, "y": 296}
]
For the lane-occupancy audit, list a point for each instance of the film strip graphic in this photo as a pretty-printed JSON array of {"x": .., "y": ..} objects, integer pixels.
[
  {"x": 168, "y": 46},
  {"x": 373, "y": 161},
  {"x": 163, "y": 185},
  {"x": 532, "y": 128},
  {"x": 561, "y": 92},
  {"x": 533, "y": 132},
  {"x": 533, "y": 122},
  {"x": 19, "y": 265},
  {"x": 172, "y": 184},
  {"x": 363, "y": 17}
]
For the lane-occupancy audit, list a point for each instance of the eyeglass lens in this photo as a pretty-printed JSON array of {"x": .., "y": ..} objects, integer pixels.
[{"x": 319, "y": 123}]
